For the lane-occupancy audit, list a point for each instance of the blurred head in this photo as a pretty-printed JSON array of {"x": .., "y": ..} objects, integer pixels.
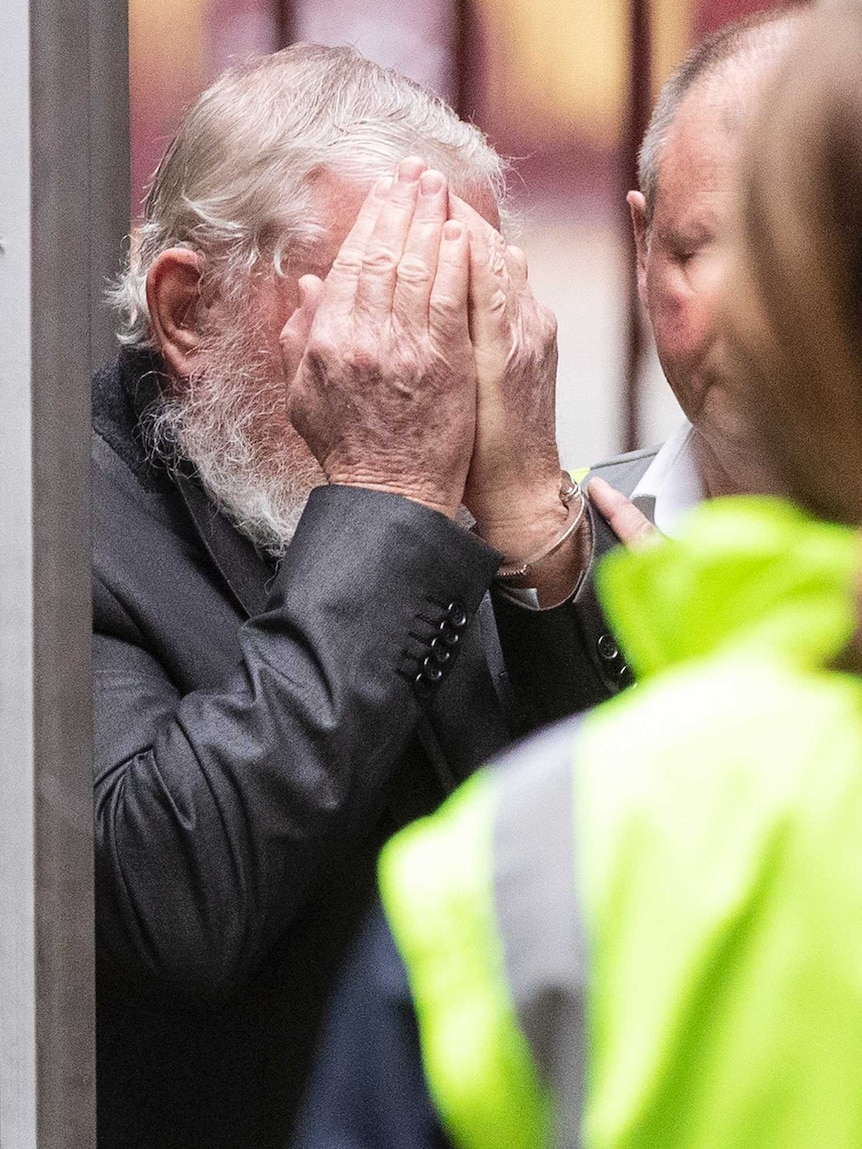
[
  {"x": 793, "y": 298},
  {"x": 259, "y": 187},
  {"x": 683, "y": 212}
]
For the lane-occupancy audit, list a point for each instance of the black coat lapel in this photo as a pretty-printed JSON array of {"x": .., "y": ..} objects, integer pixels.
[{"x": 241, "y": 567}]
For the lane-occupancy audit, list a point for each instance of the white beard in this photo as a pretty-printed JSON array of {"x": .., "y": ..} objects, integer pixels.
[{"x": 229, "y": 421}]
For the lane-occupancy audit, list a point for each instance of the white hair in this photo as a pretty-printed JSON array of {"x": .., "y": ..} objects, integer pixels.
[
  {"x": 235, "y": 182},
  {"x": 758, "y": 39}
]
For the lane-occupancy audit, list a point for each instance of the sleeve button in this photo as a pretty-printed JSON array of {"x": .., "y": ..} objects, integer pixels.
[
  {"x": 457, "y": 615},
  {"x": 440, "y": 652},
  {"x": 607, "y": 648},
  {"x": 447, "y": 635},
  {"x": 430, "y": 670}
]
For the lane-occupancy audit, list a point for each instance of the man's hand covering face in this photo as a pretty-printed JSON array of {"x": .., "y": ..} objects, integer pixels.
[
  {"x": 424, "y": 366},
  {"x": 513, "y": 487},
  {"x": 380, "y": 368}
]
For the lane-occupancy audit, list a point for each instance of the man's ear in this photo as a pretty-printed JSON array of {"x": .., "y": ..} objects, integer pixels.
[
  {"x": 174, "y": 300},
  {"x": 640, "y": 225}
]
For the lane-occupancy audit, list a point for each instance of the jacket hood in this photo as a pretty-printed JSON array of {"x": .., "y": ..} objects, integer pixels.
[{"x": 755, "y": 573}]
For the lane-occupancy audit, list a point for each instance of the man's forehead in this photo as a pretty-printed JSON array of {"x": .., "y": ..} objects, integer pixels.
[
  {"x": 714, "y": 114},
  {"x": 335, "y": 201},
  {"x": 337, "y": 198},
  {"x": 702, "y": 146}
]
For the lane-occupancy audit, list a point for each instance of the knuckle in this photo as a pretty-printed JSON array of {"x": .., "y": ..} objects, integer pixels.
[
  {"x": 498, "y": 301},
  {"x": 380, "y": 260},
  {"x": 518, "y": 254},
  {"x": 402, "y": 197},
  {"x": 413, "y": 269},
  {"x": 347, "y": 262},
  {"x": 323, "y": 348},
  {"x": 362, "y": 356},
  {"x": 446, "y": 311},
  {"x": 549, "y": 323},
  {"x": 498, "y": 264}
]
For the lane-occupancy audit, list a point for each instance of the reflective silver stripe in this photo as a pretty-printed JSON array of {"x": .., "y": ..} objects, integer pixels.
[{"x": 539, "y": 916}]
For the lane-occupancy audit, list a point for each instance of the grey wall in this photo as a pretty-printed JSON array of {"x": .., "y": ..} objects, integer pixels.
[{"x": 63, "y": 210}]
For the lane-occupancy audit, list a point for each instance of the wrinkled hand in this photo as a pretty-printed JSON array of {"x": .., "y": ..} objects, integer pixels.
[
  {"x": 514, "y": 480},
  {"x": 629, "y": 524},
  {"x": 380, "y": 367}
]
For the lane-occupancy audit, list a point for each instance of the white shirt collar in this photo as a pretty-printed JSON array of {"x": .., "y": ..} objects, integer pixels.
[{"x": 671, "y": 485}]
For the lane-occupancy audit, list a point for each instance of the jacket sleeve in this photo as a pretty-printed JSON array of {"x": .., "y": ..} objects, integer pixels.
[
  {"x": 218, "y": 810},
  {"x": 563, "y": 660}
]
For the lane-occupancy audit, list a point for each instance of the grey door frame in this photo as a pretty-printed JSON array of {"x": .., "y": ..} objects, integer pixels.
[{"x": 64, "y": 205}]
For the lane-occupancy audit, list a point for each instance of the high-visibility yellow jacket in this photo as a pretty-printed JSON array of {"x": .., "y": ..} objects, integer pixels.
[{"x": 645, "y": 929}]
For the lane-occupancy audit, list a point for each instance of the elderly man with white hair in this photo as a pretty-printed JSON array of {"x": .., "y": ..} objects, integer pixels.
[{"x": 294, "y": 649}]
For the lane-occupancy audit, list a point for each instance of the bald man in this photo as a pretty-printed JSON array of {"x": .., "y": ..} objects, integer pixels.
[{"x": 681, "y": 216}]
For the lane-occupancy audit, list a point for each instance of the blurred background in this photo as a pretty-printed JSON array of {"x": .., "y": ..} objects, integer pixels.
[{"x": 562, "y": 87}]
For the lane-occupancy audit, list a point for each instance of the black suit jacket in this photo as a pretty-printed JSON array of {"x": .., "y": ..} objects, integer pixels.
[
  {"x": 259, "y": 732},
  {"x": 567, "y": 659}
]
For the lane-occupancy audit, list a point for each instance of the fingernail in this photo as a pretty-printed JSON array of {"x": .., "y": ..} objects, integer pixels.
[
  {"x": 383, "y": 186},
  {"x": 410, "y": 169},
  {"x": 452, "y": 230},
  {"x": 431, "y": 183}
]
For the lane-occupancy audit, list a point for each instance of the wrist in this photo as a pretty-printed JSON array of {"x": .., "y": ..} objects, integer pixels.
[
  {"x": 518, "y": 523},
  {"x": 445, "y": 502},
  {"x": 554, "y": 579},
  {"x": 555, "y": 567}
]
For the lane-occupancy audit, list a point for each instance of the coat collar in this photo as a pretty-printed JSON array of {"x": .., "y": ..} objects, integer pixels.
[
  {"x": 239, "y": 563},
  {"x": 122, "y": 399}
]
